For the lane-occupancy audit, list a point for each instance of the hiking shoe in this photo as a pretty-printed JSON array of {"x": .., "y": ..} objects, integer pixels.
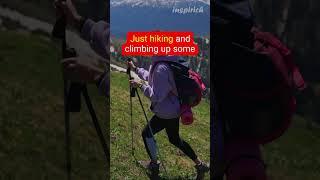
[
  {"x": 201, "y": 168},
  {"x": 152, "y": 167}
]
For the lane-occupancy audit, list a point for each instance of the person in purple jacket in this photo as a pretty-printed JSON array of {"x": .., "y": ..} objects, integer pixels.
[
  {"x": 97, "y": 34},
  {"x": 162, "y": 92}
]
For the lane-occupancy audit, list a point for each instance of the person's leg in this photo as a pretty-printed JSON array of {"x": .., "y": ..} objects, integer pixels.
[
  {"x": 172, "y": 129},
  {"x": 156, "y": 125}
]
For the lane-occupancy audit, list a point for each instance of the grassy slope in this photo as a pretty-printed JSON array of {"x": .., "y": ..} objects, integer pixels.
[
  {"x": 295, "y": 156},
  {"x": 31, "y": 115},
  {"x": 123, "y": 164},
  {"x": 32, "y": 129}
]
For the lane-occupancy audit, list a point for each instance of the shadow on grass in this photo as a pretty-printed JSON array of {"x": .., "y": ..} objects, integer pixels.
[{"x": 165, "y": 176}]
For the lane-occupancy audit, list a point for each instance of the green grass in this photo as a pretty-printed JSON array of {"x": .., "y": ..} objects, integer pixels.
[
  {"x": 294, "y": 156},
  {"x": 31, "y": 115},
  {"x": 122, "y": 161},
  {"x": 32, "y": 126}
]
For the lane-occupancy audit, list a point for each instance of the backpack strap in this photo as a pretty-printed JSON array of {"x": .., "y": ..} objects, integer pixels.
[{"x": 168, "y": 65}]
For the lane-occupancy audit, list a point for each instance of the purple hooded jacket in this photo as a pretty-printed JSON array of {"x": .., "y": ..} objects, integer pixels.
[
  {"x": 161, "y": 88},
  {"x": 98, "y": 34}
]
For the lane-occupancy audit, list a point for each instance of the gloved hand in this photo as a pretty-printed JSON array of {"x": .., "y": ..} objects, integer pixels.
[{"x": 135, "y": 83}]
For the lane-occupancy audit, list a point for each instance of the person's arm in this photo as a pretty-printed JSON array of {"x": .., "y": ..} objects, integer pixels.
[
  {"x": 97, "y": 34},
  {"x": 161, "y": 86},
  {"x": 142, "y": 73}
]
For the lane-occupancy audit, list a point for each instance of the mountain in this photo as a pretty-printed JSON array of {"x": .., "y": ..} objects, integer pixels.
[
  {"x": 155, "y": 3},
  {"x": 148, "y": 15}
]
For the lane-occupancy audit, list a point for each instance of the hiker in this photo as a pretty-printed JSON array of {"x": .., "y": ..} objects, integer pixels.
[
  {"x": 97, "y": 34},
  {"x": 162, "y": 92}
]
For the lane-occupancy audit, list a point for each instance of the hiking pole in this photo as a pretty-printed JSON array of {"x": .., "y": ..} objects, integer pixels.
[
  {"x": 132, "y": 94},
  {"x": 146, "y": 117},
  {"x": 59, "y": 31},
  {"x": 67, "y": 133},
  {"x": 131, "y": 125},
  {"x": 96, "y": 123},
  {"x": 72, "y": 96}
]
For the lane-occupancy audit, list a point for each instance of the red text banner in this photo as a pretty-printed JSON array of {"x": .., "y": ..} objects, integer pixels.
[{"x": 160, "y": 44}]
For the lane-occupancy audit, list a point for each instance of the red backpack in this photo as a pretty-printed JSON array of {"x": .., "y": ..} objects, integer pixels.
[
  {"x": 260, "y": 89},
  {"x": 281, "y": 56},
  {"x": 290, "y": 78},
  {"x": 188, "y": 83}
]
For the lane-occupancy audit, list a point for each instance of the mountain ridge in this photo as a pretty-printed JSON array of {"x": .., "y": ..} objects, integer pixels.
[{"x": 138, "y": 15}]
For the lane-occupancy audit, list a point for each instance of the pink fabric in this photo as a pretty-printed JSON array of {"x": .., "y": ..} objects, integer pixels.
[
  {"x": 186, "y": 115},
  {"x": 198, "y": 91}
]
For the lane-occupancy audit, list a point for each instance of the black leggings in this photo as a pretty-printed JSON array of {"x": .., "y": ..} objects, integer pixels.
[{"x": 172, "y": 128}]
